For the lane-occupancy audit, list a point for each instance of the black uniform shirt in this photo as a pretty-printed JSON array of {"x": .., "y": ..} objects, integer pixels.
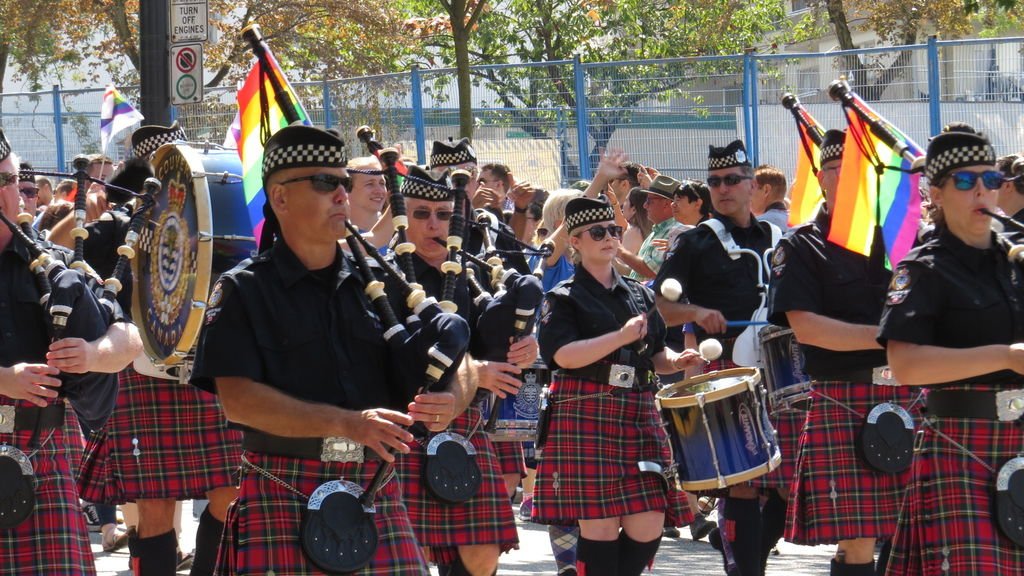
[
  {"x": 310, "y": 334},
  {"x": 106, "y": 234},
  {"x": 581, "y": 308},
  {"x": 946, "y": 293},
  {"x": 811, "y": 274},
  {"x": 710, "y": 278},
  {"x": 23, "y": 333}
]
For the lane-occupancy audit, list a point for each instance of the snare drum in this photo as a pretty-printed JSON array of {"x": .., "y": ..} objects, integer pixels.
[
  {"x": 199, "y": 228},
  {"x": 517, "y": 415},
  {"x": 719, "y": 429},
  {"x": 789, "y": 387}
]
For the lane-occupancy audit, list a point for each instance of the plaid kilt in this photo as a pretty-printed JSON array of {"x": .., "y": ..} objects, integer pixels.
[
  {"x": 484, "y": 519},
  {"x": 947, "y": 519},
  {"x": 54, "y": 539},
  {"x": 262, "y": 526},
  {"x": 511, "y": 457},
  {"x": 588, "y": 469},
  {"x": 185, "y": 446},
  {"x": 866, "y": 501},
  {"x": 788, "y": 426}
]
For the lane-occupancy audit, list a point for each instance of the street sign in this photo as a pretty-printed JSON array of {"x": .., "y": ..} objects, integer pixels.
[
  {"x": 189, "y": 21},
  {"x": 186, "y": 73}
]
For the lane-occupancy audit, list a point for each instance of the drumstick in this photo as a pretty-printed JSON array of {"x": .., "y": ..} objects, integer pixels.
[{"x": 745, "y": 323}]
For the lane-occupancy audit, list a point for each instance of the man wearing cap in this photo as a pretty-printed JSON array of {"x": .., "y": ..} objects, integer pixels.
[
  {"x": 190, "y": 453},
  {"x": 40, "y": 441},
  {"x": 300, "y": 363},
  {"x": 832, "y": 298},
  {"x": 717, "y": 288},
  {"x": 649, "y": 257},
  {"x": 468, "y": 537}
]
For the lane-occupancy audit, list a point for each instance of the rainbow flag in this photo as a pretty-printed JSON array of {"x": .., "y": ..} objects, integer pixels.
[
  {"x": 868, "y": 198},
  {"x": 261, "y": 115},
  {"x": 116, "y": 114},
  {"x": 806, "y": 191}
]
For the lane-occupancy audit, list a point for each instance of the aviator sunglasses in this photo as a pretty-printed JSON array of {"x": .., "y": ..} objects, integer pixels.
[
  {"x": 424, "y": 214},
  {"x": 599, "y": 232},
  {"x": 325, "y": 183},
  {"x": 729, "y": 180},
  {"x": 964, "y": 180}
]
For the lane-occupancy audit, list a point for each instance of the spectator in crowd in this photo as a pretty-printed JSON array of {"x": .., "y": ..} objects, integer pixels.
[{"x": 769, "y": 201}]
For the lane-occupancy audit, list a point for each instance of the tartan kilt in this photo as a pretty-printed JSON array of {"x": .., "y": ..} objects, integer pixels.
[
  {"x": 511, "y": 457},
  {"x": 947, "y": 515},
  {"x": 788, "y": 426},
  {"x": 866, "y": 501},
  {"x": 54, "y": 539},
  {"x": 588, "y": 469},
  {"x": 484, "y": 519},
  {"x": 185, "y": 446},
  {"x": 262, "y": 526}
]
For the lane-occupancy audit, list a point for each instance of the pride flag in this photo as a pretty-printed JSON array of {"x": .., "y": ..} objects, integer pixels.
[
  {"x": 116, "y": 114},
  {"x": 876, "y": 189},
  {"x": 806, "y": 191},
  {"x": 261, "y": 114}
]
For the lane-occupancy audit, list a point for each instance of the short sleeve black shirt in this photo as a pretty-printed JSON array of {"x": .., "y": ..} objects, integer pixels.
[
  {"x": 106, "y": 234},
  {"x": 312, "y": 335},
  {"x": 23, "y": 333},
  {"x": 711, "y": 278},
  {"x": 581, "y": 308},
  {"x": 946, "y": 293},
  {"x": 811, "y": 274}
]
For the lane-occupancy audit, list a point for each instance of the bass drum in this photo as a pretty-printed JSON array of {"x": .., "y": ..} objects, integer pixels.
[{"x": 199, "y": 229}]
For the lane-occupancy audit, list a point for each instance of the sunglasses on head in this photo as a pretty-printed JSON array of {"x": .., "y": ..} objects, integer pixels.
[
  {"x": 8, "y": 178},
  {"x": 424, "y": 214},
  {"x": 728, "y": 180},
  {"x": 325, "y": 183},
  {"x": 29, "y": 191},
  {"x": 964, "y": 180},
  {"x": 599, "y": 232}
]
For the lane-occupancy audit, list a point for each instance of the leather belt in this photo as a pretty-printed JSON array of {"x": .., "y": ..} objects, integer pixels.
[
  {"x": 333, "y": 449},
  {"x": 31, "y": 418},
  {"x": 879, "y": 375},
  {"x": 1004, "y": 405},
  {"x": 617, "y": 375}
]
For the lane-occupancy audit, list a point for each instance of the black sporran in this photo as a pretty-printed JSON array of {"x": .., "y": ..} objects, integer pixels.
[
  {"x": 338, "y": 533},
  {"x": 886, "y": 439},
  {"x": 17, "y": 487},
  {"x": 452, "y": 473},
  {"x": 1010, "y": 500}
]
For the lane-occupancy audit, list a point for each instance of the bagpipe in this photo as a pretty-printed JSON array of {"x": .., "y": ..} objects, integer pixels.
[
  {"x": 78, "y": 303},
  {"x": 884, "y": 130},
  {"x": 807, "y": 123}
]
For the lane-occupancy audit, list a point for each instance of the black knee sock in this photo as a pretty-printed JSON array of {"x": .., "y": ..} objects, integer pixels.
[
  {"x": 838, "y": 569},
  {"x": 744, "y": 517},
  {"x": 883, "y": 557},
  {"x": 154, "y": 556},
  {"x": 207, "y": 543},
  {"x": 457, "y": 568},
  {"x": 773, "y": 525},
  {"x": 595, "y": 558},
  {"x": 635, "y": 556}
]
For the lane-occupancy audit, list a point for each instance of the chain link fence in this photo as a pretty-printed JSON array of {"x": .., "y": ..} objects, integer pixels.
[{"x": 549, "y": 121}]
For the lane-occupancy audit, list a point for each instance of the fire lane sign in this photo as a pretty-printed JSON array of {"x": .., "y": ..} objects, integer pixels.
[{"x": 189, "y": 21}]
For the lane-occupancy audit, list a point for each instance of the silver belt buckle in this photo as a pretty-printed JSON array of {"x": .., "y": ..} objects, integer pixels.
[
  {"x": 341, "y": 449},
  {"x": 1009, "y": 405},
  {"x": 882, "y": 376},
  {"x": 622, "y": 376},
  {"x": 6, "y": 419}
]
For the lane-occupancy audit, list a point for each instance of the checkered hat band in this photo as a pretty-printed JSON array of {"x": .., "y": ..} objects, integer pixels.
[
  {"x": 589, "y": 216},
  {"x": 301, "y": 155},
  {"x": 833, "y": 152},
  {"x": 959, "y": 157},
  {"x": 149, "y": 145},
  {"x": 414, "y": 187},
  {"x": 5, "y": 148},
  {"x": 724, "y": 162},
  {"x": 451, "y": 158}
]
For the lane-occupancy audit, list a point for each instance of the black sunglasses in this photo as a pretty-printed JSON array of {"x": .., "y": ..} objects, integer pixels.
[
  {"x": 325, "y": 183},
  {"x": 965, "y": 180},
  {"x": 424, "y": 214},
  {"x": 599, "y": 232},
  {"x": 29, "y": 191},
  {"x": 729, "y": 180}
]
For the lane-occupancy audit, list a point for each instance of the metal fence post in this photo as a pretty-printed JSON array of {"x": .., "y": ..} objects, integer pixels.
[
  {"x": 748, "y": 131},
  {"x": 417, "y": 116},
  {"x": 328, "y": 114},
  {"x": 581, "y": 117},
  {"x": 58, "y": 127},
  {"x": 934, "y": 87},
  {"x": 753, "y": 145}
]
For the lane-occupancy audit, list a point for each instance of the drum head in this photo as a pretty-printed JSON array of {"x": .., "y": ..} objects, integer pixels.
[
  {"x": 172, "y": 268},
  {"x": 711, "y": 386}
]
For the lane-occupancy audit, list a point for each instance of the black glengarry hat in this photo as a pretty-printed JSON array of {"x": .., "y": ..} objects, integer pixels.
[
  {"x": 832, "y": 146},
  {"x": 958, "y": 146},
  {"x": 584, "y": 211},
  {"x": 735, "y": 154},
  {"x": 301, "y": 146},
  {"x": 147, "y": 139},
  {"x": 420, "y": 184},
  {"x": 451, "y": 153},
  {"x": 5, "y": 146}
]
